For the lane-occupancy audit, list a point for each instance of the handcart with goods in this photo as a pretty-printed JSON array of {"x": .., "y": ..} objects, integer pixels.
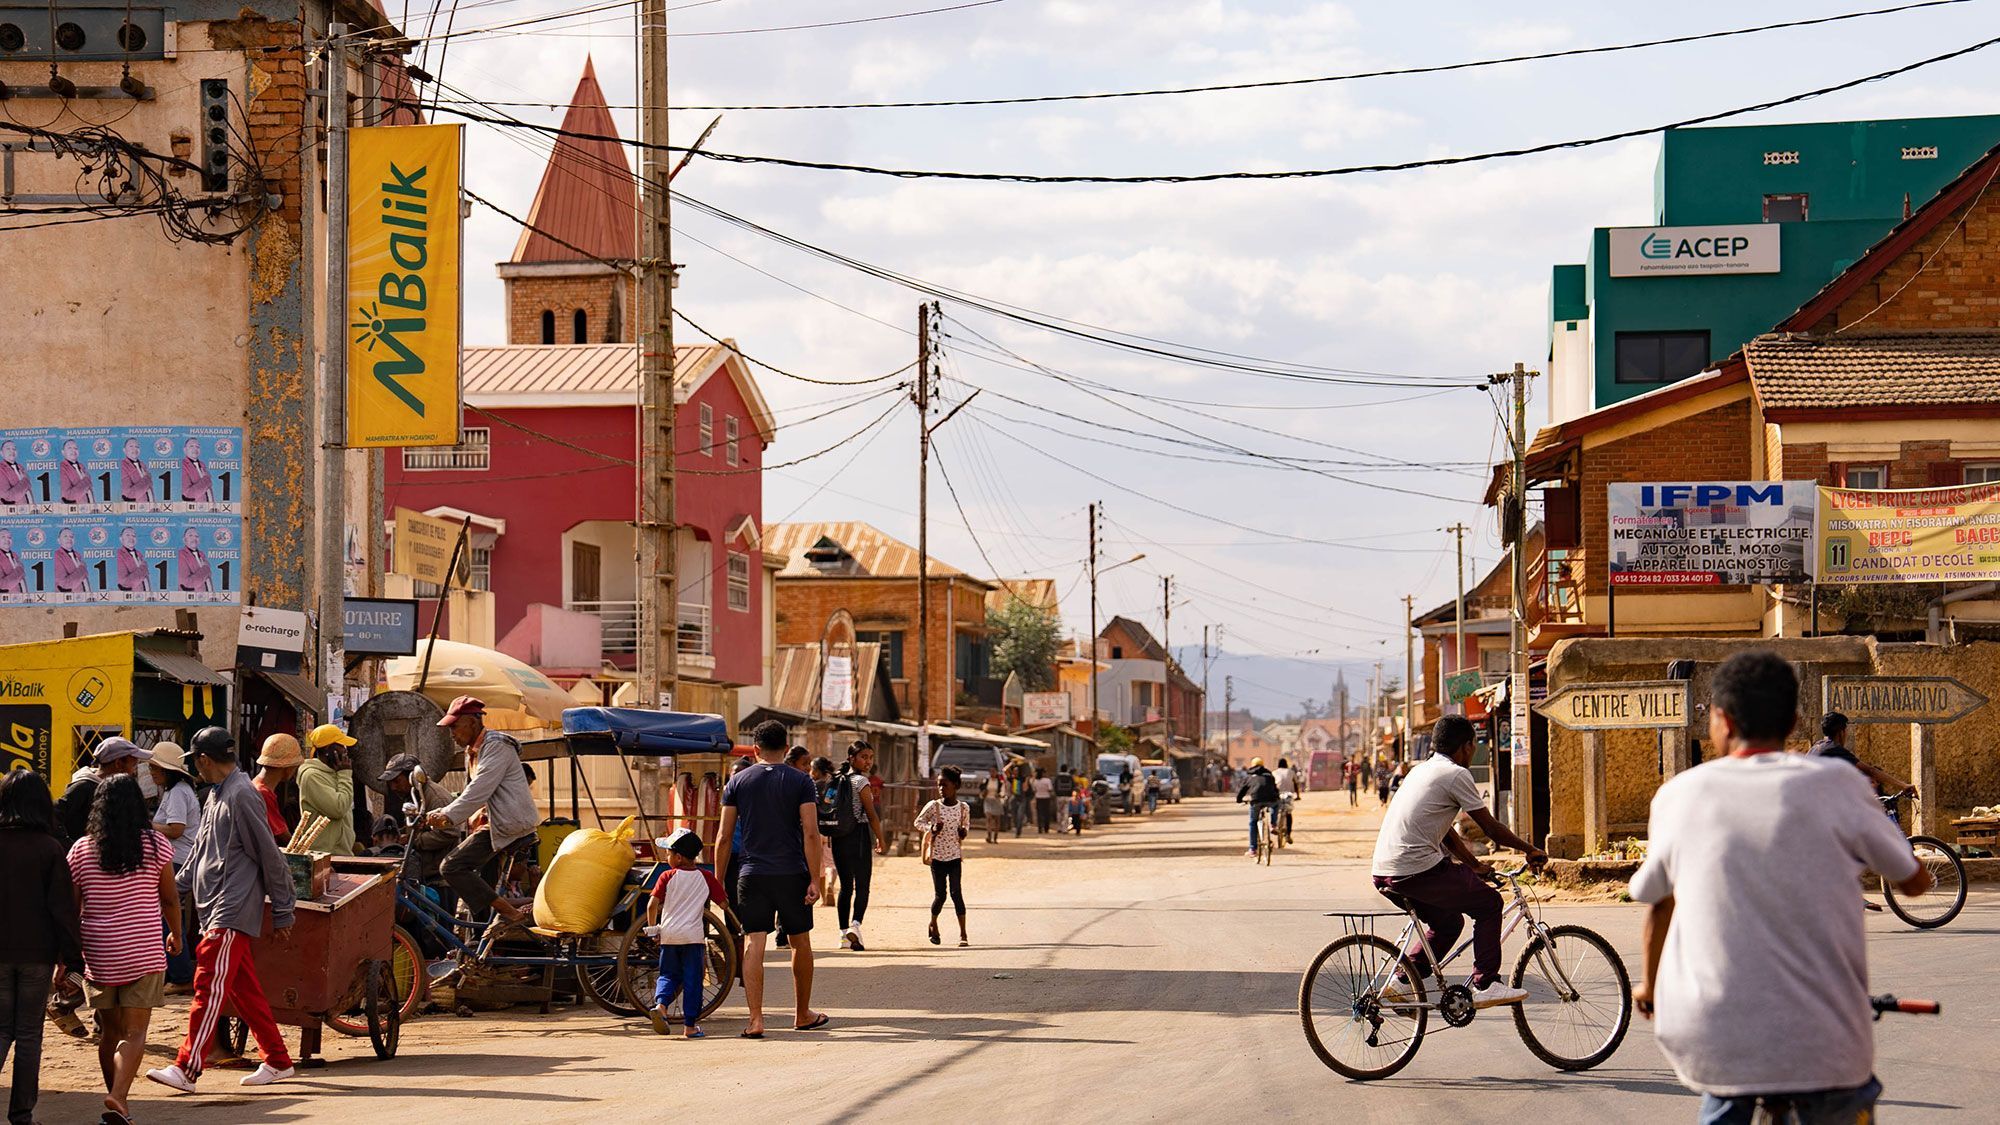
[
  {"x": 335, "y": 963},
  {"x": 614, "y": 963}
]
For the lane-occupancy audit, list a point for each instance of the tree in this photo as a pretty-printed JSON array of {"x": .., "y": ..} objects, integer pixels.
[
  {"x": 1114, "y": 739},
  {"x": 1025, "y": 642}
]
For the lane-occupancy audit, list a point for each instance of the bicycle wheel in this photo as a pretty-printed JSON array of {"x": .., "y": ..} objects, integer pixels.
[
  {"x": 1267, "y": 843},
  {"x": 383, "y": 1009},
  {"x": 406, "y": 965},
  {"x": 1344, "y": 1019},
  {"x": 598, "y": 977},
  {"x": 639, "y": 967},
  {"x": 1941, "y": 903},
  {"x": 1579, "y": 1003}
]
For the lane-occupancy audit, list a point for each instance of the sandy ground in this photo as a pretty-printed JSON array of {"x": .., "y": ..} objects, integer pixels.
[{"x": 1143, "y": 971}]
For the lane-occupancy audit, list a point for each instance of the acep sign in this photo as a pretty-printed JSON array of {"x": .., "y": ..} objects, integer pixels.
[{"x": 1666, "y": 251}]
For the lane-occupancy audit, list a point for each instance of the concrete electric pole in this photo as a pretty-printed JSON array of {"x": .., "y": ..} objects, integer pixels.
[
  {"x": 1519, "y": 757},
  {"x": 659, "y": 583}
]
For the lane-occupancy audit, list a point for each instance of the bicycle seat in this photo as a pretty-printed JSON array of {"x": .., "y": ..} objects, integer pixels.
[{"x": 1396, "y": 900}]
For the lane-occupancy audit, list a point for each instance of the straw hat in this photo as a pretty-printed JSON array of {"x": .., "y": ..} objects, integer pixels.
[
  {"x": 281, "y": 751},
  {"x": 169, "y": 756}
]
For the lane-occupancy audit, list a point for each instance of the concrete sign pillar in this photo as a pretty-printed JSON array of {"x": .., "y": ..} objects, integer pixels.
[
  {"x": 1923, "y": 775},
  {"x": 1596, "y": 814}
]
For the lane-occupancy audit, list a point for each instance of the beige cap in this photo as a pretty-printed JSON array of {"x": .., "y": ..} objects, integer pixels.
[{"x": 281, "y": 751}]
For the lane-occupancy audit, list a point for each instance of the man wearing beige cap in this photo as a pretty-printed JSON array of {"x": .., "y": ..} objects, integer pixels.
[
  {"x": 326, "y": 789},
  {"x": 277, "y": 764},
  {"x": 500, "y": 786}
]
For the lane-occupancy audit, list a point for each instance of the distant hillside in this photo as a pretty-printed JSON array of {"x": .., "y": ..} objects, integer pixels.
[{"x": 1276, "y": 687}]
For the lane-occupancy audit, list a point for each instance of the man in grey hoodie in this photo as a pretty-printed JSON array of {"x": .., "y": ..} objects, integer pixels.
[
  {"x": 235, "y": 866},
  {"x": 500, "y": 787}
]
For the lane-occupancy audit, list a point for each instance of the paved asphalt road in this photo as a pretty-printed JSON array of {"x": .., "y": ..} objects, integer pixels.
[{"x": 1143, "y": 972}]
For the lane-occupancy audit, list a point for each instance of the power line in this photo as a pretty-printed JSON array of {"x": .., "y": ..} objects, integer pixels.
[
  {"x": 1243, "y": 174},
  {"x": 1278, "y": 83}
]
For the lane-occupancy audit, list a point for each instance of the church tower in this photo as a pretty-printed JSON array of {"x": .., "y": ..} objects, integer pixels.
[{"x": 586, "y": 209}]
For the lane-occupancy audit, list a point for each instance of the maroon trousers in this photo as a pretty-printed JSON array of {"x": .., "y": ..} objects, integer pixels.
[{"x": 1442, "y": 897}]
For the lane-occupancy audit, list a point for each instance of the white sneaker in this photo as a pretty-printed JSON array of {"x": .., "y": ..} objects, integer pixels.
[
  {"x": 1497, "y": 993},
  {"x": 265, "y": 1074},
  {"x": 1395, "y": 992},
  {"x": 854, "y": 940},
  {"x": 173, "y": 1076}
]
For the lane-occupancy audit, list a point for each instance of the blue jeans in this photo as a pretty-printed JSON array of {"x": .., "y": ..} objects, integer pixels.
[
  {"x": 180, "y": 966},
  {"x": 1822, "y": 1107},
  {"x": 680, "y": 971},
  {"x": 1256, "y": 809}
]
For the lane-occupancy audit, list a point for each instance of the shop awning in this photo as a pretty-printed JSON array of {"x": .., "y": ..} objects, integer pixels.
[
  {"x": 180, "y": 668},
  {"x": 298, "y": 689}
]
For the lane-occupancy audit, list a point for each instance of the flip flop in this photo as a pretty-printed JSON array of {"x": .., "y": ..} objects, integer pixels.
[
  {"x": 697, "y": 1033},
  {"x": 749, "y": 1035},
  {"x": 815, "y": 1025},
  {"x": 934, "y": 935}
]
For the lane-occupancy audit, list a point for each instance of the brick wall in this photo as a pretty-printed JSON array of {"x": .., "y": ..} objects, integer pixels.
[
  {"x": 1804, "y": 461},
  {"x": 805, "y": 604},
  {"x": 1957, "y": 289},
  {"x": 528, "y": 297},
  {"x": 1924, "y": 464},
  {"x": 1712, "y": 445}
]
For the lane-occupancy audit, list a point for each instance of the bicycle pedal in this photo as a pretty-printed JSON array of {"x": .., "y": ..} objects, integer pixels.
[{"x": 1875, "y": 907}]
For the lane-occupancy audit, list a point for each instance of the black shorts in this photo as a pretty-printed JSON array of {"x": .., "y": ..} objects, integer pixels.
[{"x": 768, "y": 903}]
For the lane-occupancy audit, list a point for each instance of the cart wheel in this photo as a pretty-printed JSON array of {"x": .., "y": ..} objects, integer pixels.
[
  {"x": 384, "y": 1009},
  {"x": 598, "y": 973},
  {"x": 234, "y": 1035},
  {"x": 406, "y": 967},
  {"x": 639, "y": 966}
]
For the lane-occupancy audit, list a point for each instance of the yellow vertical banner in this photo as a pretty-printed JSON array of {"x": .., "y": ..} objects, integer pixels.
[{"x": 403, "y": 285}]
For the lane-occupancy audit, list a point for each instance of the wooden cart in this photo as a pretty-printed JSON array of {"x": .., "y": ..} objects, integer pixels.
[{"x": 337, "y": 956}]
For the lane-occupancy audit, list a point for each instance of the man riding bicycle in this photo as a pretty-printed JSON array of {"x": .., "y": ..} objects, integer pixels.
[
  {"x": 1833, "y": 744},
  {"x": 1412, "y": 865},
  {"x": 1756, "y": 964},
  {"x": 1261, "y": 788},
  {"x": 1288, "y": 792}
]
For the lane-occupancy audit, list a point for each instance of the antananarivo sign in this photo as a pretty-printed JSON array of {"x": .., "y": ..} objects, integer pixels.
[
  {"x": 1640, "y": 705},
  {"x": 1899, "y": 699},
  {"x": 403, "y": 285}
]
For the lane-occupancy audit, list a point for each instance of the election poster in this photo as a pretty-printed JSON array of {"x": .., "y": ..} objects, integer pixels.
[
  {"x": 1710, "y": 533},
  {"x": 1910, "y": 535},
  {"x": 99, "y": 558},
  {"x": 121, "y": 469}
]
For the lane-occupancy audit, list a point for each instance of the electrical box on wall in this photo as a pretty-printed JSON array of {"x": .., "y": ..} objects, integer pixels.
[
  {"x": 71, "y": 33},
  {"x": 215, "y": 134}
]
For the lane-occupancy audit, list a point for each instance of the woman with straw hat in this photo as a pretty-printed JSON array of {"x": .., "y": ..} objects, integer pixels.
[
  {"x": 276, "y": 765},
  {"x": 178, "y": 815}
]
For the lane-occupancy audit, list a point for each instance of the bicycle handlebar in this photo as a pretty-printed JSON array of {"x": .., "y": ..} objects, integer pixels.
[{"x": 1883, "y": 1004}]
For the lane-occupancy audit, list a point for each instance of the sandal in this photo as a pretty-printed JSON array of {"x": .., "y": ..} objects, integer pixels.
[
  {"x": 934, "y": 934},
  {"x": 749, "y": 1035},
  {"x": 816, "y": 1024}
]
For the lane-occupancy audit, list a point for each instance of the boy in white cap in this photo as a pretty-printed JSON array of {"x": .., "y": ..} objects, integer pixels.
[{"x": 680, "y": 900}]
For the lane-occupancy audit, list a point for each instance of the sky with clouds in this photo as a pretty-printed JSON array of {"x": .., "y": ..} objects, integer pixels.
[{"x": 1439, "y": 274}]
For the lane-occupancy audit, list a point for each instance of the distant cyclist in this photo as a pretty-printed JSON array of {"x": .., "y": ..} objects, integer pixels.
[
  {"x": 1755, "y": 960},
  {"x": 1260, "y": 788},
  {"x": 1288, "y": 792},
  {"x": 1411, "y": 860},
  {"x": 1833, "y": 744}
]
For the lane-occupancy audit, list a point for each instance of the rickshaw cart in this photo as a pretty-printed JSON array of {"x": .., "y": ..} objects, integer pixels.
[{"x": 336, "y": 956}]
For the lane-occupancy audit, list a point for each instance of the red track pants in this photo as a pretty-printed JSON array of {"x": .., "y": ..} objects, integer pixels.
[{"x": 225, "y": 976}]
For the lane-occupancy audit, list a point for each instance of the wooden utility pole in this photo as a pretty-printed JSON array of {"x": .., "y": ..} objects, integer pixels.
[
  {"x": 1458, "y": 642},
  {"x": 1093, "y": 620},
  {"x": 1518, "y": 737},
  {"x": 922, "y": 397},
  {"x": 1409, "y": 672},
  {"x": 1203, "y": 725},
  {"x": 1166, "y": 641},
  {"x": 659, "y": 584}
]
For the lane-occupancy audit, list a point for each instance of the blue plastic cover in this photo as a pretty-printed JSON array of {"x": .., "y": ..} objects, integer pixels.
[{"x": 650, "y": 731}]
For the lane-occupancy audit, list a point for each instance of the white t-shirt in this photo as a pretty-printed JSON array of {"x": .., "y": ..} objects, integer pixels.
[
  {"x": 1763, "y": 857},
  {"x": 1045, "y": 787},
  {"x": 1435, "y": 792},
  {"x": 178, "y": 806},
  {"x": 1288, "y": 781}
]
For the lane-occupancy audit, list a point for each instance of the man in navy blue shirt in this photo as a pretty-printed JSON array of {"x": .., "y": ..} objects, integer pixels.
[{"x": 776, "y": 810}]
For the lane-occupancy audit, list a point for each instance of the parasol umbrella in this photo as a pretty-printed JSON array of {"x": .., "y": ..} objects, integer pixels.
[{"x": 516, "y": 696}]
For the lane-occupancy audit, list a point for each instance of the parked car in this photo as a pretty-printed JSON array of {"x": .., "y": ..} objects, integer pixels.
[
  {"x": 1170, "y": 782},
  {"x": 1120, "y": 772},
  {"x": 976, "y": 762}
]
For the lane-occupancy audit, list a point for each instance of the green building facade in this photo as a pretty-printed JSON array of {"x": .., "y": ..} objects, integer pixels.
[{"x": 1831, "y": 190}]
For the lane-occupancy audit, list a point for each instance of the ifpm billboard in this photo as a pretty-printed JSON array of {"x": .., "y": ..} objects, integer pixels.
[
  {"x": 403, "y": 285},
  {"x": 1710, "y": 533}
]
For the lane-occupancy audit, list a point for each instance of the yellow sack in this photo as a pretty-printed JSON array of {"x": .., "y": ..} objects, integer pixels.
[{"x": 581, "y": 886}]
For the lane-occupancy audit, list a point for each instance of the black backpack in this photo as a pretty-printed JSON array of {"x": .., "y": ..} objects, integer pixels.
[{"x": 836, "y": 807}]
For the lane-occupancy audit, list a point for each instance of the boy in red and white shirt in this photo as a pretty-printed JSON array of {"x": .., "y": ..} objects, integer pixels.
[{"x": 680, "y": 902}]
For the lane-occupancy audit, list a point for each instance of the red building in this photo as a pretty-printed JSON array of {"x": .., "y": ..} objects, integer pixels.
[{"x": 547, "y": 468}]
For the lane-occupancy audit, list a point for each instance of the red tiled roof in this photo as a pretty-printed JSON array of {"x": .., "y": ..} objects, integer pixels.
[
  {"x": 587, "y": 197},
  {"x": 1939, "y": 374}
]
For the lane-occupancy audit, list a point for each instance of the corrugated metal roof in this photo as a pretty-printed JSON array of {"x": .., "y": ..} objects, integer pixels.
[
  {"x": 565, "y": 369},
  {"x": 1037, "y": 592},
  {"x": 874, "y": 554},
  {"x": 587, "y": 197},
  {"x": 180, "y": 667},
  {"x": 795, "y": 681}
]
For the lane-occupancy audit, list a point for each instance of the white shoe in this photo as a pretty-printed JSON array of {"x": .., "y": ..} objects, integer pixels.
[
  {"x": 1252, "y": 852},
  {"x": 1496, "y": 993},
  {"x": 265, "y": 1074},
  {"x": 173, "y": 1076},
  {"x": 1397, "y": 991}
]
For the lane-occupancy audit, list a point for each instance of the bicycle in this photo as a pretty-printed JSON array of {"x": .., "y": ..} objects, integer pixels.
[
  {"x": 1267, "y": 834},
  {"x": 1364, "y": 1007},
  {"x": 1779, "y": 1109},
  {"x": 1941, "y": 903}
]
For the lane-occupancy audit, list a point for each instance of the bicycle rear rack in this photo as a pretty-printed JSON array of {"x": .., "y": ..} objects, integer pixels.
[{"x": 1362, "y": 922}]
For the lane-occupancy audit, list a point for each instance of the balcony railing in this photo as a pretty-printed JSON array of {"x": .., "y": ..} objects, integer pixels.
[
  {"x": 621, "y": 628},
  {"x": 473, "y": 451},
  {"x": 1555, "y": 589}
]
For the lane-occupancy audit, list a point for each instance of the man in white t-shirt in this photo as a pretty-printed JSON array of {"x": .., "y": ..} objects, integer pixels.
[
  {"x": 1756, "y": 963},
  {"x": 1412, "y": 864}
]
